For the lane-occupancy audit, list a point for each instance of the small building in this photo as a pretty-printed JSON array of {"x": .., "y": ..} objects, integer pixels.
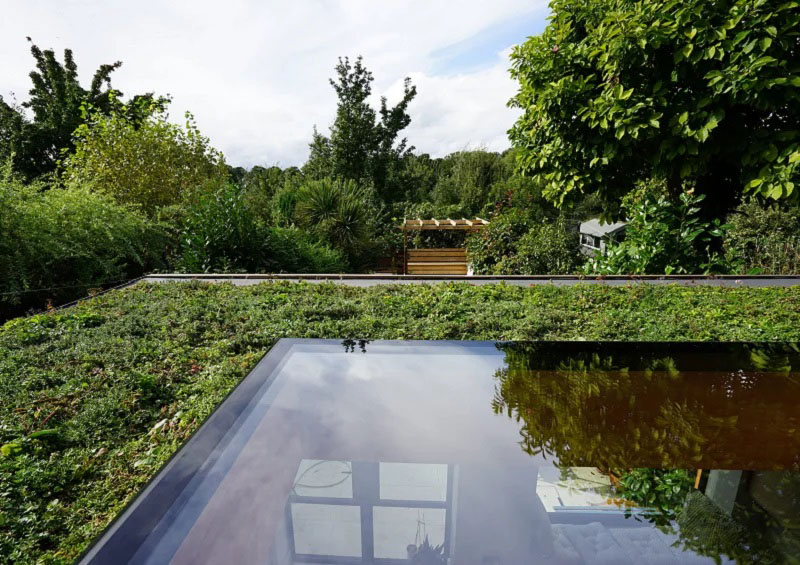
[{"x": 595, "y": 235}]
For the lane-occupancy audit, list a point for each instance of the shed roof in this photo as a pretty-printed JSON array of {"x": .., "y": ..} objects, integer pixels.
[{"x": 599, "y": 229}]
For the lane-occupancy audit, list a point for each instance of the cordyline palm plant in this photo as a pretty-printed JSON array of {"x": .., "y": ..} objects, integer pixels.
[{"x": 336, "y": 211}]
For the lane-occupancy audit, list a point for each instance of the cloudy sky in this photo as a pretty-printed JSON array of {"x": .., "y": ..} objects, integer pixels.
[{"x": 255, "y": 72}]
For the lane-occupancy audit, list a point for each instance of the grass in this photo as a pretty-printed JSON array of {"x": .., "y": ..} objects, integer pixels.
[{"x": 97, "y": 397}]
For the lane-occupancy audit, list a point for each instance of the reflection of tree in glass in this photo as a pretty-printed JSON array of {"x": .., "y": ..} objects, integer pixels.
[
  {"x": 752, "y": 533},
  {"x": 587, "y": 409},
  {"x": 661, "y": 492},
  {"x": 427, "y": 553}
]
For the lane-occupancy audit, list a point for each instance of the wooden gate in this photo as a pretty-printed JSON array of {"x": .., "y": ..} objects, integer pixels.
[{"x": 437, "y": 261}]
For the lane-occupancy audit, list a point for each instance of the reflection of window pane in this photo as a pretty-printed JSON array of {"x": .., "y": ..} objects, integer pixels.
[
  {"x": 394, "y": 529},
  {"x": 413, "y": 481},
  {"x": 333, "y": 479},
  {"x": 327, "y": 529}
]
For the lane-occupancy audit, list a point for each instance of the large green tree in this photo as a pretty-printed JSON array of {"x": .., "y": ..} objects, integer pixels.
[
  {"x": 695, "y": 92},
  {"x": 363, "y": 144},
  {"x": 55, "y": 102}
]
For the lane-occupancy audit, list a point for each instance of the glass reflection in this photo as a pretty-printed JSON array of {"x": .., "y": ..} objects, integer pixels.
[
  {"x": 356, "y": 512},
  {"x": 479, "y": 454},
  {"x": 631, "y": 409}
]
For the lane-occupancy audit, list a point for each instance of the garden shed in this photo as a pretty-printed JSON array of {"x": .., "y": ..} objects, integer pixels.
[
  {"x": 595, "y": 234},
  {"x": 437, "y": 261}
]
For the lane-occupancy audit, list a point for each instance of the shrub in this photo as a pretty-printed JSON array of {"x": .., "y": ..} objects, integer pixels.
[
  {"x": 663, "y": 237},
  {"x": 764, "y": 239},
  {"x": 283, "y": 203},
  {"x": 149, "y": 163},
  {"x": 66, "y": 240},
  {"x": 516, "y": 243},
  {"x": 335, "y": 210},
  {"x": 290, "y": 250},
  {"x": 547, "y": 248},
  {"x": 341, "y": 214},
  {"x": 221, "y": 233},
  {"x": 487, "y": 247}
]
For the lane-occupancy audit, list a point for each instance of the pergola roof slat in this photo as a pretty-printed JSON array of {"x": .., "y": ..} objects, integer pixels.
[{"x": 446, "y": 224}]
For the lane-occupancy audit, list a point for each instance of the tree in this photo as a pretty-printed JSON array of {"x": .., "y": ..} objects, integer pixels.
[
  {"x": 467, "y": 178},
  {"x": 55, "y": 101},
  {"x": 690, "y": 91},
  {"x": 362, "y": 146},
  {"x": 153, "y": 164}
]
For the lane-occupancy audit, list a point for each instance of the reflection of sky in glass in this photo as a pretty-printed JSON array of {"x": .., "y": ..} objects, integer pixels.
[
  {"x": 324, "y": 529},
  {"x": 413, "y": 481}
]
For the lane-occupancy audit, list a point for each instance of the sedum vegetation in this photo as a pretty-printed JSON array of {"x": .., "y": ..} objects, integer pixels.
[{"x": 97, "y": 397}]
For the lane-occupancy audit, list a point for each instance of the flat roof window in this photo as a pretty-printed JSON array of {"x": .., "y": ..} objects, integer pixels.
[{"x": 465, "y": 452}]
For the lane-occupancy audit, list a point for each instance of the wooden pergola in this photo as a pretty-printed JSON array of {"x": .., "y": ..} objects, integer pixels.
[
  {"x": 448, "y": 224},
  {"x": 449, "y": 261}
]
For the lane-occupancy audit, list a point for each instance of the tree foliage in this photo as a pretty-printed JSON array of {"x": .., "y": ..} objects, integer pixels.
[
  {"x": 625, "y": 410},
  {"x": 56, "y": 100},
  {"x": 363, "y": 145},
  {"x": 615, "y": 91},
  {"x": 150, "y": 164}
]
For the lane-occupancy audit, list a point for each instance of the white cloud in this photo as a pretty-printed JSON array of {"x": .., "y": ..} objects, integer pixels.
[{"x": 255, "y": 74}]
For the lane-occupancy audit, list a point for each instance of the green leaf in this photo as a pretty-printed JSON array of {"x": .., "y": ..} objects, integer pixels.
[
  {"x": 10, "y": 449},
  {"x": 765, "y": 43},
  {"x": 44, "y": 434},
  {"x": 770, "y": 153},
  {"x": 683, "y": 118}
]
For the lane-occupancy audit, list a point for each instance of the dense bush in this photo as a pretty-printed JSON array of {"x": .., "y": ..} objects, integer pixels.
[
  {"x": 266, "y": 189},
  {"x": 290, "y": 250},
  {"x": 663, "y": 237},
  {"x": 467, "y": 177},
  {"x": 515, "y": 243},
  {"x": 764, "y": 239},
  {"x": 549, "y": 247},
  {"x": 221, "y": 233},
  {"x": 499, "y": 239},
  {"x": 66, "y": 240},
  {"x": 149, "y": 163}
]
